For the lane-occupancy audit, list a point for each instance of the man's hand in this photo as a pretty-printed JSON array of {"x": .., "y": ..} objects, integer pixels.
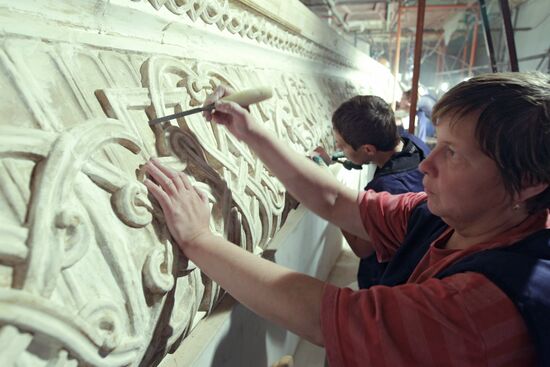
[
  {"x": 236, "y": 118},
  {"x": 185, "y": 208},
  {"x": 322, "y": 154}
]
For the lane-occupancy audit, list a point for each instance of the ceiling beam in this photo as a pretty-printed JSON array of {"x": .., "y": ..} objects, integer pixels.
[
  {"x": 507, "y": 21},
  {"x": 397, "y": 52},
  {"x": 348, "y": 2},
  {"x": 439, "y": 7},
  {"x": 488, "y": 36},
  {"x": 332, "y": 8},
  {"x": 417, "y": 57}
]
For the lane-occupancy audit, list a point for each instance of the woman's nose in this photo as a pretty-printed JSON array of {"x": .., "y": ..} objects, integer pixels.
[{"x": 427, "y": 166}]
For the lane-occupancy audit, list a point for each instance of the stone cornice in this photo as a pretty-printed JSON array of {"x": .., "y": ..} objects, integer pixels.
[{"x": 292, "y": 29}]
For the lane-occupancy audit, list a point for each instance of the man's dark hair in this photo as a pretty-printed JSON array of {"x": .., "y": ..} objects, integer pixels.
[
  {"x": 513, "y": 127},
  {"x": 366, "y": 120}
]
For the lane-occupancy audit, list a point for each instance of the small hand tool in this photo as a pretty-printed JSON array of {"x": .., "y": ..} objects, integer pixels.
[
  {"x": 244, "y": 98},
  {"x": 349, "y": 165},
  {"x": 323, "y": 159}
]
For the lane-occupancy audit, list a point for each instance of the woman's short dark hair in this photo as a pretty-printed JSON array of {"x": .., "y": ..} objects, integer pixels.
[
  {"x": 513, "y": 127},
  {"x": 366, "y": 120}
]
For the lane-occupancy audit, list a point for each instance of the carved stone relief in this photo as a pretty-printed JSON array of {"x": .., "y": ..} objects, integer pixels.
[
  {"x": 234, "y": 18},
  {"x": 88, "y": 272}
]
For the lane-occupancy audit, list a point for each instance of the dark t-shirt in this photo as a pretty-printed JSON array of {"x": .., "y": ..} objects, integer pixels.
[{"x": 399, "y": 175}]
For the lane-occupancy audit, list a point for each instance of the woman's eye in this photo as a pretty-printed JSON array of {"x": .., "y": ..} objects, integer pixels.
[{"x": 450, "y": 152}]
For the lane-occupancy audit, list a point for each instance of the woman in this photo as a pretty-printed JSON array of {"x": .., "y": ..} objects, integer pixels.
[{"x": 468, "y": 283}]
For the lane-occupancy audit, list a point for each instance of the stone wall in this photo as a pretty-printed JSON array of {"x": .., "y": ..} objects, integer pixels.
[{"x": 88, "y": 273}]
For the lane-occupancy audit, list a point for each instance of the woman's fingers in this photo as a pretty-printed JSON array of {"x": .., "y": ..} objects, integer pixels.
[
  {"x": 220, "y": 92},
  {"x": 164, "y": 176},
  {"x": 186, "y": 210},
  {"x": 169, "y": 180},
  {"x": 185, "y": 181},
  {"x": 158, "y": 193},
  {"x": 170, "y": 173},
  {"x": 180, "y": 183},
  {"x": 202, "y": 195},
  {"x": 230, "y": 108}
]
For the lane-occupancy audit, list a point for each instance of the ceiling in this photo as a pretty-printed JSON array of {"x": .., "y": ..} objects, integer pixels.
[{"x": 371, "y": 25}]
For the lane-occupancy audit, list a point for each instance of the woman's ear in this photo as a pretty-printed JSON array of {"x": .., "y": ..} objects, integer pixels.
[{"x": 530, "y": 191}]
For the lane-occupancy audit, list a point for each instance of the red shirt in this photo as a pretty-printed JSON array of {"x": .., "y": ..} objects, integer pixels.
[{"x": 460, "y": 320}]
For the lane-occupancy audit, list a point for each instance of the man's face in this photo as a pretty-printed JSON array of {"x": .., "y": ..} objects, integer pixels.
[
  {"x": 356, "y": 156},
  {"x": 463, "y": 184}
]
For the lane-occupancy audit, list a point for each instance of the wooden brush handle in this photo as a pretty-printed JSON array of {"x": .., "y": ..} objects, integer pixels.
[{"x": 250, "y": 96}]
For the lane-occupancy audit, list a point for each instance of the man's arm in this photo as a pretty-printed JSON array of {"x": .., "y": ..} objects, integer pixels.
[
  {"x": 288, "y": 298},
  {"x": 313, "y": 186}
]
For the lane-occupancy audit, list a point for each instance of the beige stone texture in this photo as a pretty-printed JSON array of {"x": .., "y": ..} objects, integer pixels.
[{"x": 88, "y": 272}]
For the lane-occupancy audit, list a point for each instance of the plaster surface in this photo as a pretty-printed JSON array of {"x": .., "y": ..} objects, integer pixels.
[{"x": 88, "y": 273}]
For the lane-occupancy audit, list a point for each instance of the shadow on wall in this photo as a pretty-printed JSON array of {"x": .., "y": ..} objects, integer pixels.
[
  {"x": 244, "y": 344},
  {"x": 251, "y": 340}
]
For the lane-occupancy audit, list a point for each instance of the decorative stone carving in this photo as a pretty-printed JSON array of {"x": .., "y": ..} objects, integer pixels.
[
  {"x": 88, "y": 272},
  {"x": 236, "y": 20}
]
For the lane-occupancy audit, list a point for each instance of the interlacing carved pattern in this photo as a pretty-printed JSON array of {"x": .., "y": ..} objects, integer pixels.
[
  {"x": 227, "y": 16},
  {"x": 88, "y": 272},
  {"x": 212, "y": 155},
  {"x": 64, "y": 228},
  {"x": 85, "y": 273}
]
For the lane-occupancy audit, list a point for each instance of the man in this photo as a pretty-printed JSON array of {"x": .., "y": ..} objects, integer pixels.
[
  {"x": 425, "y": 128},
  {"x": 365, "y": 131}
]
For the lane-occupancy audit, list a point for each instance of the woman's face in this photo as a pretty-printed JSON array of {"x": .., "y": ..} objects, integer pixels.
[{"x": 463, "y": 184}]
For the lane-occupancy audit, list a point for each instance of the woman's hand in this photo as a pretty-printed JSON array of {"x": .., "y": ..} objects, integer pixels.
[
  {"x": 185, "y": 208},
  {"x": 236, "y": 118}
]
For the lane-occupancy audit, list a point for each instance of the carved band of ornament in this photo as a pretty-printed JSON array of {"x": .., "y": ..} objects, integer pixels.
[
  {"x": 216, "y": 147},
  {"x": 157, "y": 269},
  {"x": 55, "y": 177},
  {"x": 187, "y": 148},
  {"x": 13, "y": 342},
  {"x": 107, "y": 321},
  {"x": 132, "y": 206},
  {"x": 249, "y": 25},
  {"x": 17, "y": 141},
  {"x": 32, "y": 314},
  {"x": 129, "y": 200},
  {"x": 157, "y": 67},
  {"x": 12, "y": 246},
  {"x": 234, "y": 227},
  {"x": 78, "y": 234},
  {"x": 30, "y": 144}
]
